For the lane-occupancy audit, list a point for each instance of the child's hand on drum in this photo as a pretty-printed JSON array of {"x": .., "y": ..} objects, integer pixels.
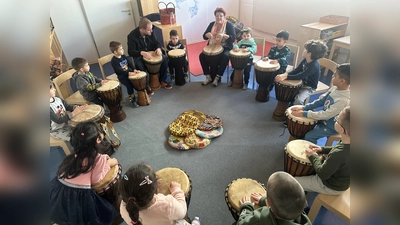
[
  {"x": 315, "y": 147},
  {"x": 112, "y": 162},
  {"x": 236, "y": 49},
  {"x": 265, "y": 59},
  {"x": 245, "y": 199},
  {"x": 245, "y": 50},
  {"x": 78, "y": 110},
  {"x": 281, "y": 77},
  {"x": 131, "y": 74},
  {"x": 104, "y": 81},
  {"x": 273, "y": 61},
  {"x": 298, "y": 113},
  {"x": 256, "y": 197},
  {"x": 174, "y": 185}
]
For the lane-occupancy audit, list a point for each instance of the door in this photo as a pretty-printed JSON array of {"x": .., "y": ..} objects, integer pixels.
[{"x": 109, "y": 20}]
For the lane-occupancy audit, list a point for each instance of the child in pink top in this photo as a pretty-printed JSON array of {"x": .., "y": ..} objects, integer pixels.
[
  {"x": 141, "y": 204},
  {"x": 72, "y": 201}
]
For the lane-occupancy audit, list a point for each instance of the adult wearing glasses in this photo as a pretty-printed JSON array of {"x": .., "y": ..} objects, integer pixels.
[
  {"x": 332, "y": 102},
  {"x": 333, "y": 174}
]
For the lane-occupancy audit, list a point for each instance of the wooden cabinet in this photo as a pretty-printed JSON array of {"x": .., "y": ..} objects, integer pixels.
[
  {"x": 162, "y": 32},
  {"x": 321, "y": 31}
]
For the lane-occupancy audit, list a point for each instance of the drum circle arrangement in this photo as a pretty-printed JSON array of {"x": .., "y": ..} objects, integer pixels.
[
  {"x": 177, "y": 58},
  {"x": 194, "y": 129}
]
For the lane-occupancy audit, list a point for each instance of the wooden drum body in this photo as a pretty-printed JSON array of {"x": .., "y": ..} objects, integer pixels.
[
  {"x": 111, "y": 94},
  {"x": 265, "y": 75},
  {"x": 298, "y": 126},
  {"x": 92, "y": 113},
  {"x": 153, "y": 66},
  {"x": 107, "y": 188},
  {"x": 296, "y": 160},
  {"x": 169, "y": 174},
  {"x": 138, "y": 82},
  {"x": 239, "y": 62},
  {"x": 239, "y": 188},
  {"x": 213, "y": 53},
  {"x": 285, "y": 92},
  {"x": 177, "y": 59}
]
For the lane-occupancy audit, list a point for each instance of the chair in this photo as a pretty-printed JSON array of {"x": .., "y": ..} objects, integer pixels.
[
  {"x": 294, "y": 49},
  {"x": 63, "y": 144},
  {"x": 338, "y": 204},
  {"x": 329, "y": 65},
  {"x": 64, "y": 91},
  {"x": 332, "y": 138},
  {"x": 104, "y": 60},
  {"x": 259, "y": 41}
]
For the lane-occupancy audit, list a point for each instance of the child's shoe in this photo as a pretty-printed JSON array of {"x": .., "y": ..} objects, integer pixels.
[
  {"x": 245, "y": 86},
  {"x": 230, "y": 84},
  {"x": 172, "y": 78},
  {"x": 196, "y": 221}
]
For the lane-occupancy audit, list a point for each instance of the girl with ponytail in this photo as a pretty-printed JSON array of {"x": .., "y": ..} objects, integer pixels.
[
  {"x": 72, "y": 201},
  {"x": 142, "y": 205}
]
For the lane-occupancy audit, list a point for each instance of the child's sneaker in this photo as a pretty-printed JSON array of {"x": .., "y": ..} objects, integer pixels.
[
  {"x": 196, "y": 221},
  {"x": 172, "y": 77},
  {"x": 230, "y": 84},
  {"x": 245, "y": 86},
  {"x": 186, "y": 76},
  {"x": 134, "y": 104}
]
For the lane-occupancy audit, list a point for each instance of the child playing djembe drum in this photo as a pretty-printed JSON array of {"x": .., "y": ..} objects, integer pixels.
[
  {"x": 123, "y": 67},
  {"x": 284, "y": 205},
  {"x": 142, "y": 205},
  {"x": 72, "y": 201}
]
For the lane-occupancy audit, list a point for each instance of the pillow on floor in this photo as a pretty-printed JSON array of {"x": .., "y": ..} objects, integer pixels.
[
  {"x": 178, "y": 142},
  {"x": 210, "y": 133},
  {"x": 200, "y": 115},
  {"x": 195, "y": 141},
  {"x": 184, "y": 125},
  {"x": 211, "y": 123}
]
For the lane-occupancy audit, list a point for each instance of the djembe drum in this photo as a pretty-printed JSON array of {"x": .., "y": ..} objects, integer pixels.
[
  {"x": 296, "y": 161},
  {"x": 285, "y": 91},
  {"x": 298, "y": 126},
  {"x": 108, "y": 189},
  {"x": 153, "y": 66},
  {"x": 169, "y": 174},
  {"x": 92, "y": 113},
  {"x": 177, "y": 58},
  {"x": 239, "y": 62},
  {"x": 213, "y": 53},
  {"x": 239, "y": 188},
  {"x": 138, "y": 82},
  {"x": 265, "y": 75},
  {"x": 111, "y": 94}
]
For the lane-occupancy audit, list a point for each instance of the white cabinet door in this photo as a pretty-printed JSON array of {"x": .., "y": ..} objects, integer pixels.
[{"x": 109, "y": 20}]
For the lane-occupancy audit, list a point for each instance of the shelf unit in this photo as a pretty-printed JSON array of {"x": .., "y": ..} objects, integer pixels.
[
  {"x": 162, "y": 32},
  {"x": 319, "y": 31}
]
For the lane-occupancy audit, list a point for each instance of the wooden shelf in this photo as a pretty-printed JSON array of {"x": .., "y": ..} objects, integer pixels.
[
  {"x": 319, "y": 31},
  {"x": 162, "y": 32}
]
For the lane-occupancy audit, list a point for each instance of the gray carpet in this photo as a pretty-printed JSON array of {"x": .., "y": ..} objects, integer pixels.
[{"x": 249, "y": 147}]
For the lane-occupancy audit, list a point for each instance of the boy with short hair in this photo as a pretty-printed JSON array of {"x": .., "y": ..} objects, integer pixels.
[
  {"x": 86, "y": 82},
  {"x": 175, "y": 43},
  {"x": 248, "y": 45},
  {"x": 284, "y": 205},
  {"x": 280, "y": 53},
  {"x": 308, "y": 70},
  {"x": 333, "y": 174},
  {"x": 124, "y": 68},
  {"x": 332, "y": 101}
]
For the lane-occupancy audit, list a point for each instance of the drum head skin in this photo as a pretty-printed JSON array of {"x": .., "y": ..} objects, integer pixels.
[
  {"x": 239, "y": 54},
  {"x": 110, "y": 85},
  {"x": 195, "y": 141},
  {"x": 138, "y": 76},
  {"x": 300, "y": 120},
  {"x": 213, "y": 49},
  {"x": 178, "y": 143},
  {"x": 210, "y": 133},
  {"x": 296, "y": 149},
  {"x": 156, "y": 59},
  {"x": 92, "y": 113},
  {"x": 111, "y": 174},
  {"x": 169, "y": 174},
  {"x": 266, "y": 66},
  {"x": 243, "y": 187},
  {"x": 176, "y": 53},
  {"x": 291, "y": 83}
]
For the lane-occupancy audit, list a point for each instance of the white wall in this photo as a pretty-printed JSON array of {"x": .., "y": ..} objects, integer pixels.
[{"x": 271, "y": 16}]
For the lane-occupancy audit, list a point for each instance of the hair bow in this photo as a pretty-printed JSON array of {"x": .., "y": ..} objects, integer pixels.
[{"x": 146, "y": 181}]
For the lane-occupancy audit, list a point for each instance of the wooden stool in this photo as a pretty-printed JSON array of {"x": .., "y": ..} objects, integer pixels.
[
  {"x": 338, "y": 204},
  {"x": 62, "y": 143},
  {"x": 331, "y": 139}
]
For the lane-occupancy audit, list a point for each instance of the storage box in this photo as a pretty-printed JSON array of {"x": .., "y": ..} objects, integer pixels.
[{"x": 334, "y": 19}]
